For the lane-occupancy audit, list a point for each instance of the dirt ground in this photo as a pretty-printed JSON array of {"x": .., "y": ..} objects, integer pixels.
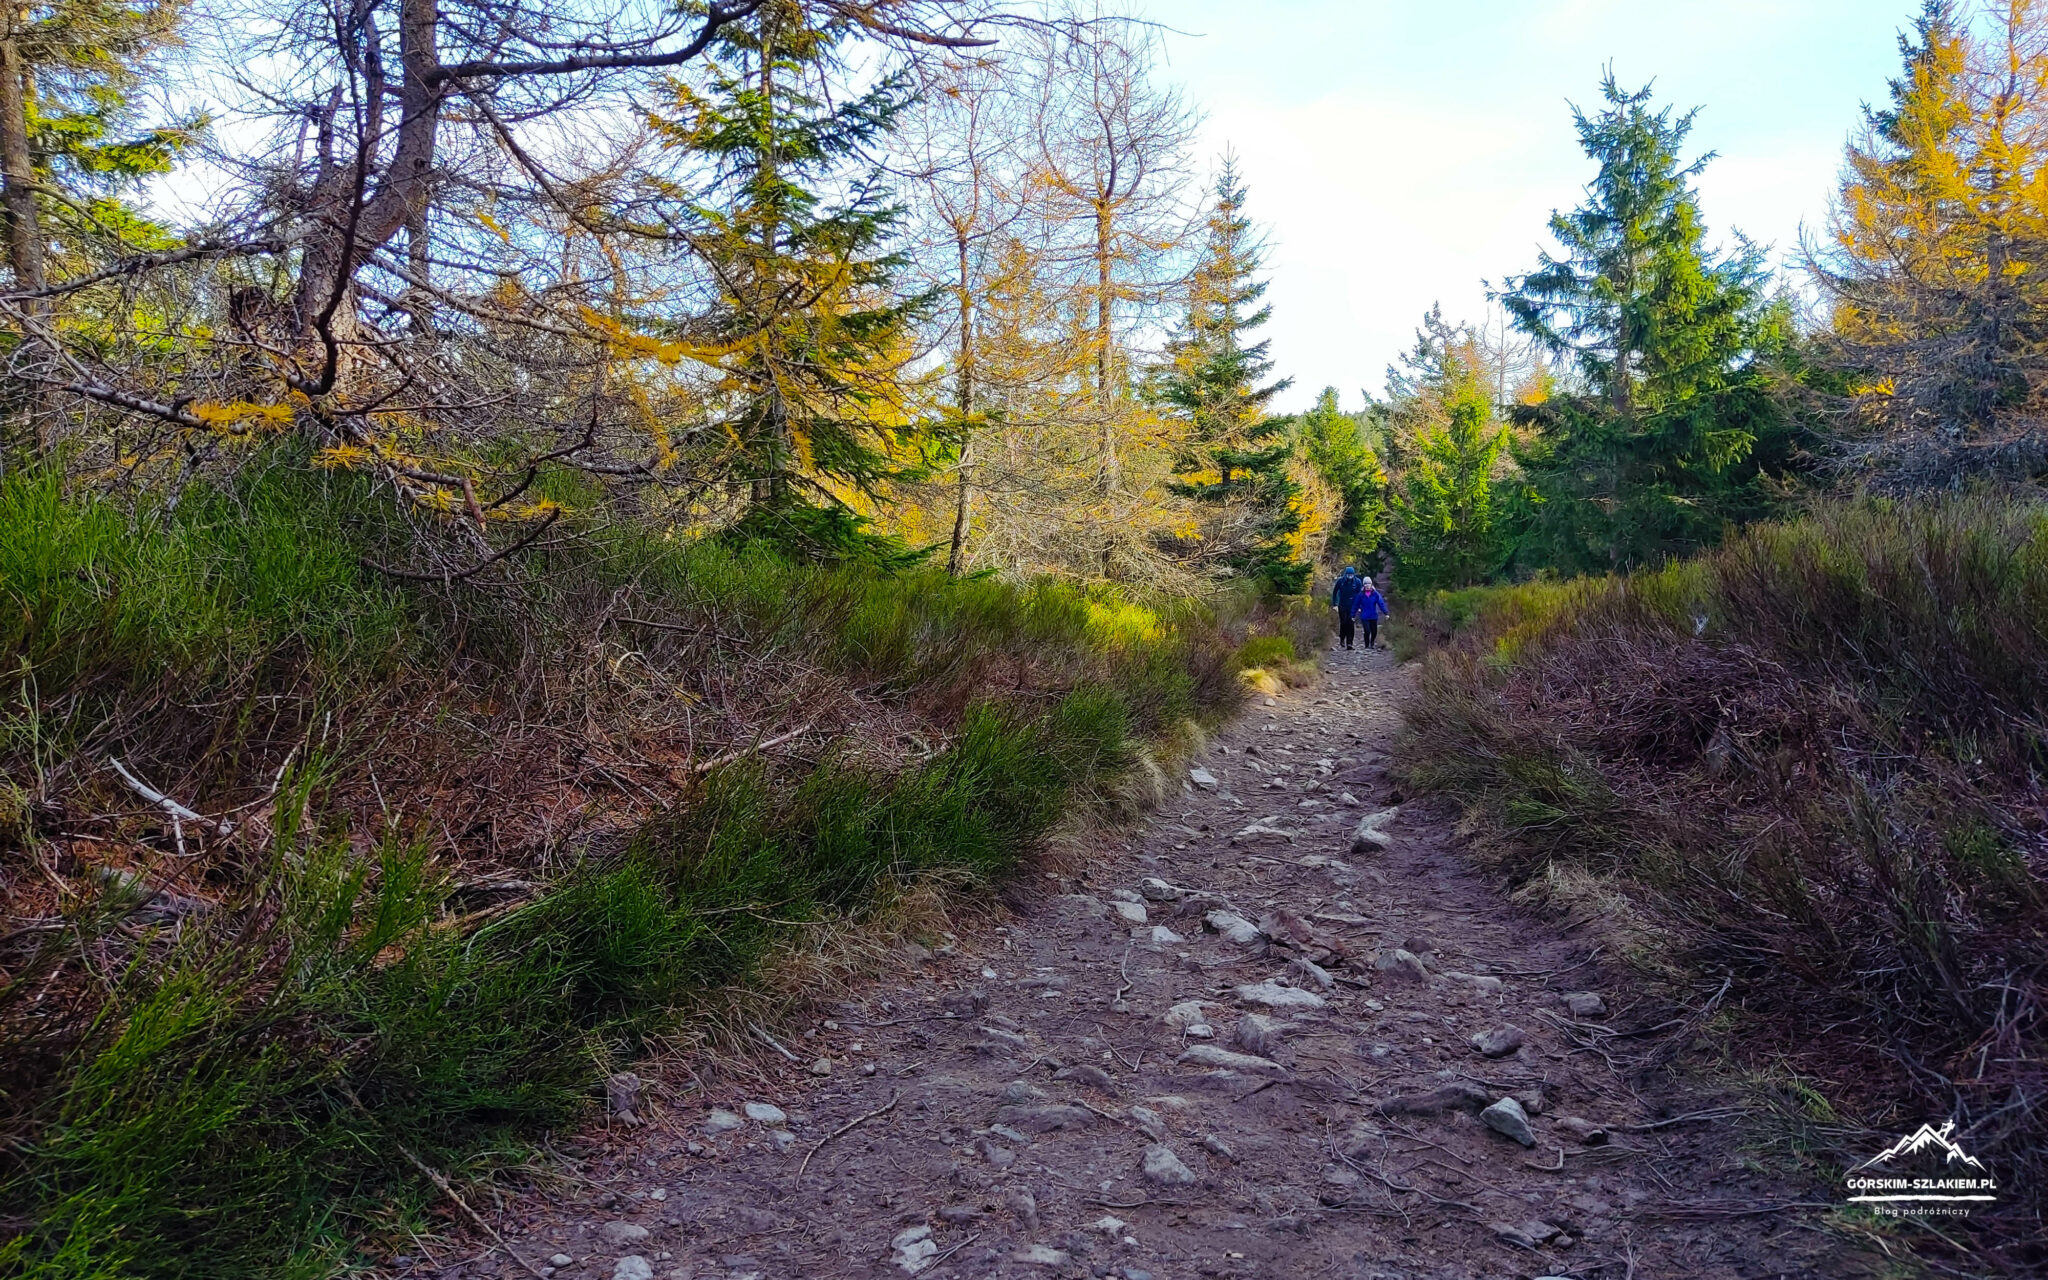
[{"x": 1235, "y": 1045}]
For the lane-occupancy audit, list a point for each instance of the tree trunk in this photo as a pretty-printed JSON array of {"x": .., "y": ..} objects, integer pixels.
[
  {"x": 956, "y": 558},
  {"x": 18, "y": 199},
  {"x": 1104, "y": 279},
  {"x": 774, "y": 485},
  {"x": 353, "y": 209},
  {"x": 24, "y": 237}
]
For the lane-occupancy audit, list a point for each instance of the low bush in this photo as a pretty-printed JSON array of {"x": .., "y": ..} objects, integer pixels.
[
  {"x": 1265, "y": 651},
  {"x": 1812, "y": 759},
  {"x": 488, "y": 838}
]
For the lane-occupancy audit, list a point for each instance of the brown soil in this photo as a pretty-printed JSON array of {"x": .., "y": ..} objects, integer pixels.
[{"x": 986, "y": 1108}]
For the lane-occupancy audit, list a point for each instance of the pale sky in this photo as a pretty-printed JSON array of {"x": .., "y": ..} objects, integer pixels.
[{"x": 1401, "y": 152}]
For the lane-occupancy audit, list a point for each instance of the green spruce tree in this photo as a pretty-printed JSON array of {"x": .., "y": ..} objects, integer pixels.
[
  {"x": 1237, "y": 455},
  {"x": 72, "y": 139},
  {"x": 1334, "y": 443},
  {"x": 1446, "y": 504},
  {"x": 809, "y": 330},
  {"x": 1675, "y": 431}
]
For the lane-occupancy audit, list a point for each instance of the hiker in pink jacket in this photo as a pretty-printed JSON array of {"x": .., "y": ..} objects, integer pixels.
[{"x": 1368, "y": 607}]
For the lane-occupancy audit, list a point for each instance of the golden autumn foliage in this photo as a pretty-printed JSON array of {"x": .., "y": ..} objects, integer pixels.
[{"x": 1938, "y": 263}]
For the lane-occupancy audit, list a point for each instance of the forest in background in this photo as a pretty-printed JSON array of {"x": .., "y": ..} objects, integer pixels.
[
  {"x": 917, "y": 279},
  {"x": 475, "y": 470}
]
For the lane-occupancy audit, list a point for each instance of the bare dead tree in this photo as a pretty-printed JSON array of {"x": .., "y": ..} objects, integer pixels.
[{"x": 1112, "y": 149}]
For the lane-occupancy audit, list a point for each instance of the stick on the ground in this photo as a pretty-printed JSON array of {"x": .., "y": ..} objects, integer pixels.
[
  {"x": 1711, "y": 1113},
  {"x": 848, "y": 1127},
  {"x": 706, "y": 766},
  {"x": 475, "y": 1217},
  {"x": 772, "y": 1042},
  {"x": 955, "y": 1249},
  {"x": 447, "y": 1189}
]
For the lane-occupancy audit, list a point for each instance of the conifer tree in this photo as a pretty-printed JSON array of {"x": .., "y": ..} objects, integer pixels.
[
  {"x": 1938, "y": 270},
  {"x": 1334, "y": 443},
  {"x": 1236, "y": 457},
  {"x": 1669, "y": 342},
  {"x": 1445, "y": 503},
  {"x": 808, "y": 330},
  {"x": 71, "y": 72},
  {"x": 71, "y": 145}
]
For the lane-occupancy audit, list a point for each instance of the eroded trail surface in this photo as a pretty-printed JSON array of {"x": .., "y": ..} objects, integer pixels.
[{"x": 1229, "y": 1045}]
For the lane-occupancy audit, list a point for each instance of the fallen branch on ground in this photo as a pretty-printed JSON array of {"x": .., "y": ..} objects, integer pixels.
[
  {"x": 848, "y": 1127},
  {"x": 705, "y": 766}
]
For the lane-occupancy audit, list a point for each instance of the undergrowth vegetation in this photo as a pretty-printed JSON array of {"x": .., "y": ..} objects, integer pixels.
[
  {"x": 467, "y": 846},
  {"x": 1811, "y": 763}
]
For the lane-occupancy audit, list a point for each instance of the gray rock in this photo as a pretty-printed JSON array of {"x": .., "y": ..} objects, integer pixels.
[
  {"x": 1588, "y": 1133},
  {"x": 1459, "y": 1094},
  {"x": 722, "y": 1121},
  {"x": 1163, "y": 1168},
  {"x": 1264, "y": 829},
  {"x": 913, "y": 1249},
  {"x": 1007, "y": 1134},
  {"x": 971, "y": 1003},
  {"x": 620, "y": 1235},
  {"x": 1132, "y": 912},
  {"x": 1401, "y": 963},
  {"x": 995, "y": 1036},
  {"x": 560, "y": 1260},
  {"x": 1507, "y": 1117},
  {"x": 1309, "y": 970},
  {"x": 998, "y": 1157},
  {"x": 766, "y": 1113},
  {"x": 633, "y": 1267},
  {"x": 1215, "y": 1146},
  {"x": 1233, "y": 927},
  {"x": 1023, "y": 1205},
  {"x": 1022, "y": 1093},
  {"x": 1092, "y": 907},
  {"x": 1042, "y": 1255},
  {"x": 1498, "y": 1042},
  {"x": 1186, "y": 1016},
  {"x": 1584, "y": 1004},
  {"x": 822, "y": 1067},
  {"x": 1046, "y": 1119},
  {"x": 1149, "y": 1122},
  {"x": 1202, "y": 778},
  {"x": 1529, "y": 1235},
  {"x": 1209, "y": 1055},
  {"x": 1485, "y": 984},
  {"x": 783, "y": 1139},
  {"x": 1287, "y": 927},
  {"x": 1256, "y": 1033},
  {"x": 1159, "y": 935},
  {"x": 1156, "y": 890},
  {"x": 1092, "y": 1076},
  {"x": 1271, "y": 995},
  {"x": 1371, "y": 833}
]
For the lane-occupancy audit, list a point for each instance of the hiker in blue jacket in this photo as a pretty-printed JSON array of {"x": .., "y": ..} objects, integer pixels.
[
  {"x": 1369, "y": 606},
  {"x": 1342, "y": 596}
]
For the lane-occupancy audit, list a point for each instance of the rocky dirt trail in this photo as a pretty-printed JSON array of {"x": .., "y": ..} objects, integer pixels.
[{"x": 1245, "y": 1040}]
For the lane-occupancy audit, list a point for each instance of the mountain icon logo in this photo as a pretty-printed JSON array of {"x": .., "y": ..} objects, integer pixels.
[{"x": 1926, "y": 1138}]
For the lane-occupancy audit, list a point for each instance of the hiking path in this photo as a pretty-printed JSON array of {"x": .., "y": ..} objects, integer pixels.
[{"x": 1235, "y": 1040}]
